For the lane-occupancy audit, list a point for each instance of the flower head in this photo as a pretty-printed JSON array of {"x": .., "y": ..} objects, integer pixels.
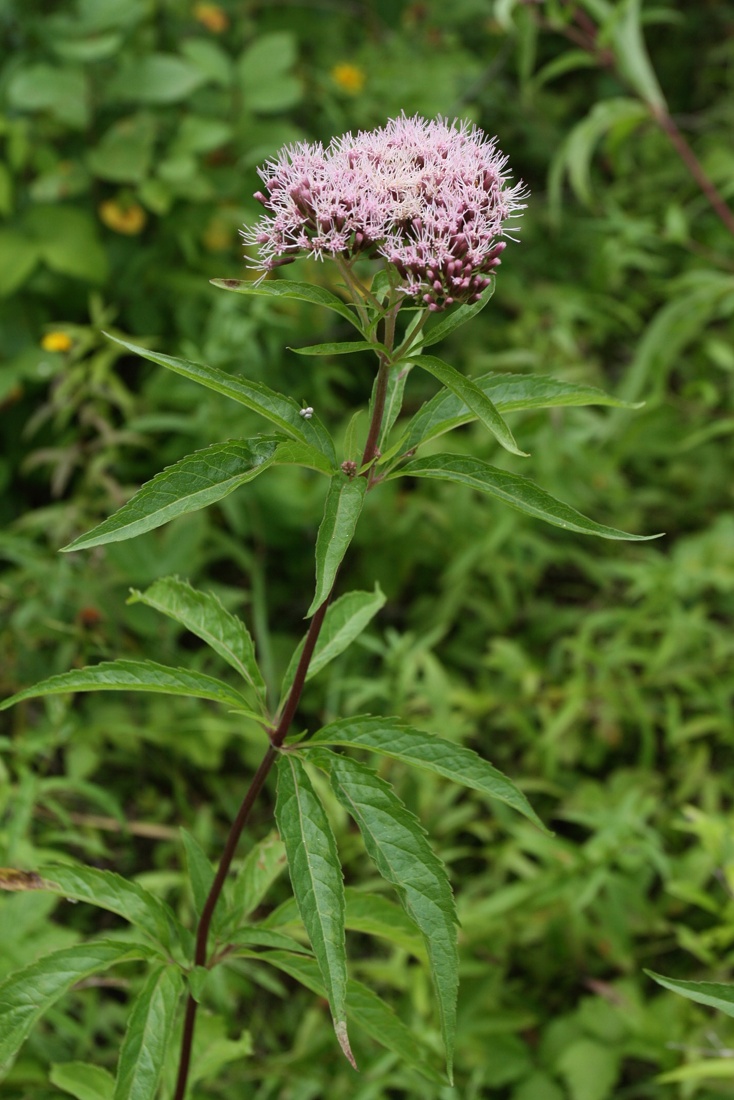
[
  {"x": 56, "y": 341},
  {"x": 430, "y": 197}
]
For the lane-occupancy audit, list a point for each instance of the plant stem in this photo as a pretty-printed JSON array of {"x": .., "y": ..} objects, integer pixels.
[
  {"x": 277, "y": 737},
  {"x": 695, "y": 167}
]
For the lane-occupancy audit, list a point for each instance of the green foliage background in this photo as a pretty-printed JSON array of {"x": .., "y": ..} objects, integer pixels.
[{"x": 599, "y": 676}]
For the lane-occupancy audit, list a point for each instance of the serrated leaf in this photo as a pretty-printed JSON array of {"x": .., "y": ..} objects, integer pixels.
[
  {"x": 368, "y": 1011},
  {"x": 110, "y": 891},
  {"x": 283, "y": 411},
  {"x": 261, "y": 867},
  {"x": 82, "y": 1081},
  {"x": 149, "y": 1027},
  {"x": 519, "y": 492},
  {"x": 340, "y": 348},
  {"x": 28, "y": 993},
  {"x": 454, "y": 318},
  {"x": 284, "y": 288},
  {"x": 293, "y": 453},
  {"x": 473, "y": 397},
  {"x": 375, "y": 915},
  {"x": 510, "y": 393},
  {"x": 203, "y": 614},
  {"x": 201, "y": 872},
  {"x": 123, "y": 675},
  {"x": 195, "y": 482},
  {"x": 316, "y": 875},
  {"x": 341, "y": 511},
  {"x": 345, "y": 620},
  {"x": 396, "y": 842},
  {"x": 255, "y": 936},
  {"x": 714, "y": 994},
  {"x": 391, "y": 737}
]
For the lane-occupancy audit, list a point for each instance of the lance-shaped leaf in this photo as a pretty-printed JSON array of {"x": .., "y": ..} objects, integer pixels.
[
  {"x": 473, "y": 397},
  {"x": 199, "y": 866},
  {"x": 396, "y": 842},
  {"x": 714, "y": 994},
  {"x": 284, "y": 288},
  {"x": 518, "y": 492},
  {"x": 195, "y": 482},
  {"x": 509, "y": 393},
  {"x": 291, "y": 452},
  {"x": 28, "y": 993},
  {"x": 261, "y": 867},
  {"x": 341, "y": 348},
  {"x": 345, "y": 619},
  {"x": 255, "y": 936},
  {"x": 110, "y": 891},
  {"x": 276, "y": 407},
  {"x": 367, "y": 1010},
  {"x": 454, "y": 318},
  {"x": 375, "y": 915},
  {"x": 82, "y": 1081},
  {"x": 124, "y": 675},
  {"x": 203, "y": 614},
  {"x": 390, "y": 737},
  {"x": 341, "y": 511},
  {"x": 149, "y": 1027},
  {"x": 316, "y": 875}
]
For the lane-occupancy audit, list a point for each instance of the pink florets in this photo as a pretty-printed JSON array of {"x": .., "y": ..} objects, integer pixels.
[{"x": 431, "y": 197}]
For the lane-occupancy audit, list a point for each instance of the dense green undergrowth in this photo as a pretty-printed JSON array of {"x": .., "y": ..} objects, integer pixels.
[{"x": 599, "y": 677}]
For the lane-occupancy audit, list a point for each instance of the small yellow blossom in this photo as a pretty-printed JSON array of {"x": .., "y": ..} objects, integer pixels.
[
  {"x": 129, "y": 220},
  {"x": 214, "y": 18},
  {"x": 56, "y": 341},
  {"x": 350, "y": 78}
]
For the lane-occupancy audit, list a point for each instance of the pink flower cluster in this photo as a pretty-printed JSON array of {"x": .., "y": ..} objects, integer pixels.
[{"x": 431, "y": 197}]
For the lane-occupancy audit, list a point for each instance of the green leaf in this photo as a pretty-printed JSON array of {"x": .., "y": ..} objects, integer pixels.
[
  {"x": 195, "y": 482},
  {"x": 28, "y": 993},
  {"x": 68, "y": 240},
  {"x": 473, "y": 397},
  {"x": 149, "y": 1027},
  {"x": 201, "y": 872},
  {"x": 390, "y": 737},
  {"x": 518, "y": 492},
  {"x": 261, "y": 867},
  {"x": 203, "y": 614},
  {"x": 396, "y": 842},
  {"x": 293, "y": 453},
  {"x": 367, "y": 1010},
  {"x": 125, "y": 151},
  {"x": 156, "y": 78},
  {"x": 625, "y": 28},
  {"x": 284, "y": 288},
  {"x": 590, "y": 1068},
  {"x": 110, "y": 891},
  {"x": 509, "y": 393},
  {"x": 313, "y": 863},
  {"x": 263, "y": 68},
  {"x": 341, "y": 348},
  {"x": 454, "y": 318},
  {"x": 575, "y": 154},
  {"x": 393, "y": 399},
  {"x": 63, "y": 92},
  {"x": 345, "y": 620},
  {"x": 254, "y": 936},
  {"x": 714, "y": 994},
  {"x": 124, "y": 675},
  {"x": 341, "y": 511},
  {"x": 375, "y": 915},
  {"x": 18, "y": 258},
  {"x": 280, "y": 410},
  {"x": 82, "y": 1081}
]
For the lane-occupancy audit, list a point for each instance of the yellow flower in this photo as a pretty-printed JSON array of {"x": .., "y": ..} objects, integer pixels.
[
  {"x": 350, "y": 78},
  {"x": 56, "y": 341},
  {"x": 129, "y": 220},
  {"x": 214, "y": 18}
]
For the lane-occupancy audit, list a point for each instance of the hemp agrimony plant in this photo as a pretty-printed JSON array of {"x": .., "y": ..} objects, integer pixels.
[{"x": 429, "y": 204}]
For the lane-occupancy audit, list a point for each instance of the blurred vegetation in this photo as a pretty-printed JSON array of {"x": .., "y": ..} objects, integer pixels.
[{"x": 599, "y": 676}]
